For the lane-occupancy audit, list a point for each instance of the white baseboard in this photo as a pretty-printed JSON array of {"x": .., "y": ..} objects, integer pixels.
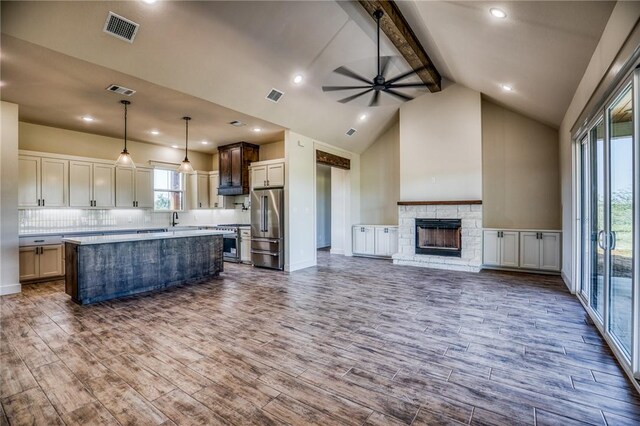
[
  {"x": 336, "y": 251},
  {"x": 10, "y": 289},
  {"x": 567, "y": 281},
  {"x": 300, "y": 265}
]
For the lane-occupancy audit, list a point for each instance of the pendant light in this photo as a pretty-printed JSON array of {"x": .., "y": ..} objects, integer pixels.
[
  {"x": 186, "y": 166},
  {"x": 125, "y": 160}
]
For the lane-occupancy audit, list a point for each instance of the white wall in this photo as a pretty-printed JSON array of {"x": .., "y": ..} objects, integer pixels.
[
  {"x": 323, "y": 206},
  {"x": 441, "y": 146},
  {"x": 300, "y": 199},
  {"x": 520, "y": 171},
  {"x": 9, "y": 264},
  {"x": 340, "y": 227},
  {"x": 623, "y": 19},
  {"x": 380, "y": 179},
  {"x": 300, "y": 244}
]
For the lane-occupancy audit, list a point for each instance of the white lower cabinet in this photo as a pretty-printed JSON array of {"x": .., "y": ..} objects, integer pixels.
[
  {"x": 534, "y": 250},
  {"x": 500, "y": 248},
  {"x": 375, "y": 240},
  {"x": 41, "y": 262},
  {"x": 540, "y": 250}
]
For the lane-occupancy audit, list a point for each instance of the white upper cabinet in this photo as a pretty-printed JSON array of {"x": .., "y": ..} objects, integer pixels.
[
  {"x": 134, "y": 187},
  {"x": 144, "y": 187},
  {"x": 80, "y": 184},
  {"x": 91, "y": 184},
  {"x": 125, "y": 187},
  {"x": 267, "y": 174},
  {"x": 199, "y": 184},
  {"x": 29, "y": 181},
  {"x": 42, "y": 182}
]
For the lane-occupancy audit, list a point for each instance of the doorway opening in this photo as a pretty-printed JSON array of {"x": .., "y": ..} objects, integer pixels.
[{"x": 323, "y": 207}]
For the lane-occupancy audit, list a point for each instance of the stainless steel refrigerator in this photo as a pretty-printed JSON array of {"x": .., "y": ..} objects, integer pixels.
[{"x": 267, "y": 228}]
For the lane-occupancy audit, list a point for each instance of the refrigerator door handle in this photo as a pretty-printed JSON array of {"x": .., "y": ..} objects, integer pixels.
[
  {"x": 261, "y": 214},
  {"x": 266, "y": 214}
]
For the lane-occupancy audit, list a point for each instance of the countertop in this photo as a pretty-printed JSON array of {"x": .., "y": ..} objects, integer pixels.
[
  {"x": 122, "y": 238},
  {"x": 103, "y": 229}
]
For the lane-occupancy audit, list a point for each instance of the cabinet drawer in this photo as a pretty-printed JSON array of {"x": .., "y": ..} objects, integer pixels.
[
  {"x": 39, "y": 241},
  {"x": 272, "y": 246}
]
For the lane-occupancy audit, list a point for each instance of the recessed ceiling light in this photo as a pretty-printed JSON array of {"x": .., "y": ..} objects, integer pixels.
[
  {"x": 205, "y": 143},
  {"x": 256, "y": 129},
  {"x": 297, "y": 79},
  {"x": 149, "y": 1},
  {"x": 88, "y": 118},
  {"x": 237, "y": 123},
  {"x": 363, "y": 117},
  {"x": 155, "y": 132},
  {"x": 506, "y": 87},
  {"x": 175, "y": 146},
  {"x": 497, "y": 13}
]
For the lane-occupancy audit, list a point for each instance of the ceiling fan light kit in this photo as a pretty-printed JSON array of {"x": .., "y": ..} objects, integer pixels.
[{"x": 379, "y": 84}]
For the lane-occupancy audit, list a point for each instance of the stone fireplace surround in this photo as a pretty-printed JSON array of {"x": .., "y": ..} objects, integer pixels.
[{"x": 470, "y": 214}]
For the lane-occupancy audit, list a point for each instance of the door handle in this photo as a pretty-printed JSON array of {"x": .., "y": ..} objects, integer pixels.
[
  {"x": 43, "y": 202},
  {"x": 38, "y": 202},
  {"x": 612, "y": 240},
  {"x": 600, "y": 239}
]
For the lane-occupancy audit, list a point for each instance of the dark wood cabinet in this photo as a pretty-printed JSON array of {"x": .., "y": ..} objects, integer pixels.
[{"x": 233, "y": 166}]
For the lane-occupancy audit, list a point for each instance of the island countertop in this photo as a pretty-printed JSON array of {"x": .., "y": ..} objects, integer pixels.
[{"x": 122, "y": 238}]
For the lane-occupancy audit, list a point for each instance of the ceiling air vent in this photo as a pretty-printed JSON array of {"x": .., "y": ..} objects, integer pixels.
[
  {"x": 120, "y": 27},
  {"x": 351, "y": 132},
  {"x": 275, "y": 95},
  {"x": 120, "y": 90},
  {"x": 237, "y": 123}
]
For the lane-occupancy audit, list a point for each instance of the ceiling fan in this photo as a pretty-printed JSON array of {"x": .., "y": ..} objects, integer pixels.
[{"x": 379, "y": 82}]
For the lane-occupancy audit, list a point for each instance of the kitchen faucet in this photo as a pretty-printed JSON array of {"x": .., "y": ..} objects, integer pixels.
[{"x": 174, "y": 218}]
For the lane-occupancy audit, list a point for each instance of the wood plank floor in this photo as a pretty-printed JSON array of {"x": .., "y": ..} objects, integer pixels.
[{"x": 352, "y": 341}]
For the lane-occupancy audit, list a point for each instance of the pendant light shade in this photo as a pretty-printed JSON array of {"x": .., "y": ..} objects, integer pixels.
[
  {"x": 186, "y": 166},
  {"x": 124, "y": 159}
]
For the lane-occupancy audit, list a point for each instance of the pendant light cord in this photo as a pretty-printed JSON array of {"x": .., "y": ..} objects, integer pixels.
[
  {"x": 125, "y": 127},
  {"x": 186, "y": 142}
]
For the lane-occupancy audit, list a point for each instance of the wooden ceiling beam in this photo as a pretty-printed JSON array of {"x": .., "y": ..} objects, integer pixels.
[{"x": 404, "y": 39}]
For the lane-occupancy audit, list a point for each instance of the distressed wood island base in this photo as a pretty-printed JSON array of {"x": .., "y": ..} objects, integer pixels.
[{"x": 108, "y": 267}]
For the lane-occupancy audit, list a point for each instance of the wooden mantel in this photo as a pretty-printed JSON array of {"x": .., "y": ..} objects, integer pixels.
[{"x": 436, "y": 203}]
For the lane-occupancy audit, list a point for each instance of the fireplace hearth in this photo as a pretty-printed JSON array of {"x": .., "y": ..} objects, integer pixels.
[{"x": 439, "y": 237}]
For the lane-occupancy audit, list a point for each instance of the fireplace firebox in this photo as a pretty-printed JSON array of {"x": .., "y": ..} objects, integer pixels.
[{"x": 440, "y": 237}]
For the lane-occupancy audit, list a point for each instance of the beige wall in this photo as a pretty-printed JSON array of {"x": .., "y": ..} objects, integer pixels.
[
  {"x": 623, "y": 19},
  {"x": 272, "y": 151},
  {"x": 441, "y": 146},
  {"x": 9, "y": 273},
  {"x": 35, "y": 137},
  {"x": 380, "y": 179},
  {"x": 520, "y": 171}
]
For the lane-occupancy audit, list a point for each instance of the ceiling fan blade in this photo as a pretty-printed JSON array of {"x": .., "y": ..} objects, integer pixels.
[
  {"x": 375, "y": 99},
  {"x": 384, "y": 64},
  {"x": 357, "y": 95},
  {"x": 398, "y": 95},
  {"x": 348, "y": 73},
  {"x": 334, "y": 88},
  {"x": 394, "y": 86},
  {"x": 405, "y": 75}
]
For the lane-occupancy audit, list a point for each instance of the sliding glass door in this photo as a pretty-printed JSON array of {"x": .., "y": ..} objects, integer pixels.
[
  {"x": 608, "y": 152},
  {"x": 621, "y": 159}
]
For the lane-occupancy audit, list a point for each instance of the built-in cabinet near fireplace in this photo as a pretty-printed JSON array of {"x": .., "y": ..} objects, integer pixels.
[{"x": 439, "y": 237}]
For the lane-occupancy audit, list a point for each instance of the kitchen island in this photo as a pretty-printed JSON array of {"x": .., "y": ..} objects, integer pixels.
[{"x": 106, "y": 267}]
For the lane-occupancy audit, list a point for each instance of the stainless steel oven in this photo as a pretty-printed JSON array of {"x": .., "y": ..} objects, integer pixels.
[{"x": 231, "y": 242}]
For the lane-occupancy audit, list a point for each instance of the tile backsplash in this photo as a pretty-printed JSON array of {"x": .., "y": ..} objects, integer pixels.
[{"x": 44, "y": 219}]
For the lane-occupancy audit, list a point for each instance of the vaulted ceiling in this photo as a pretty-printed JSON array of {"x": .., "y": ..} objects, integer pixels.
[{"x": 232, "y": 54}]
